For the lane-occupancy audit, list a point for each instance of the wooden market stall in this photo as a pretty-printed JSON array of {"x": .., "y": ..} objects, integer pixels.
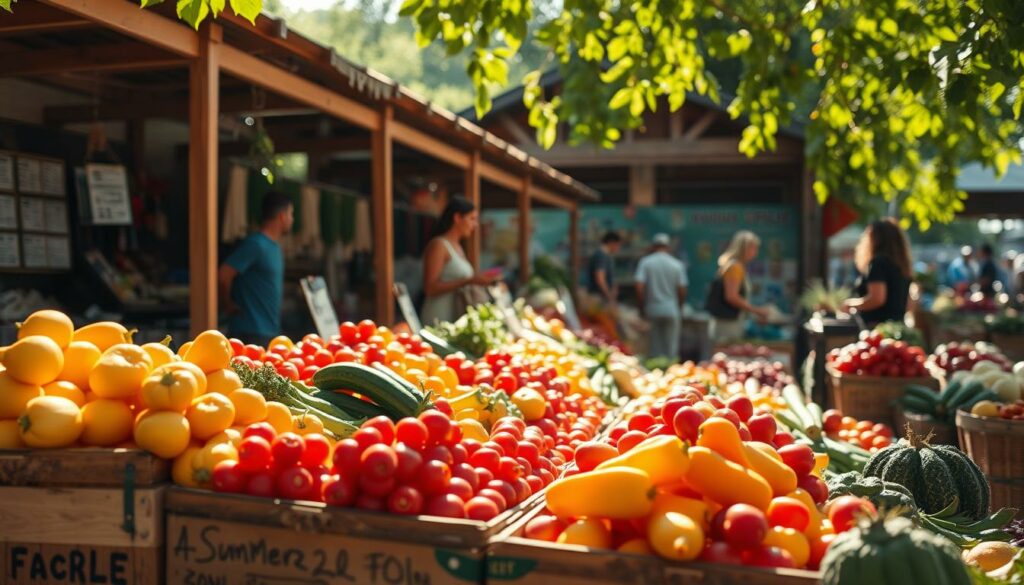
[{"x": 134, "y": 65}]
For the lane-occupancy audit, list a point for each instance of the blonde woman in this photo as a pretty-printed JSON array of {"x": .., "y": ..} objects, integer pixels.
[{"x": 727, "y": 299}]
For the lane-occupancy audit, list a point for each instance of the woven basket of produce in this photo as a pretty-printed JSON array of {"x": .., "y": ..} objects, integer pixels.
[
  {"x": 942, "y": 432},
  {"x": 994, "y": 443},
  {"x": 926, "y": 411},
  {"x": 871, "y": 397}
]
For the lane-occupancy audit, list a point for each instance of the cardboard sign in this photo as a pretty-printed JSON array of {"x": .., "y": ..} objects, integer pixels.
[
  {"x": 314, "y": 288},
  {"x": 407, "y": 308},
  {"x": 221, "y": 552},
  {"x": 46, "y": 564}
]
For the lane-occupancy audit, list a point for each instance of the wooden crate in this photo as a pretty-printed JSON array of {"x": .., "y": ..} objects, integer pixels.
[
  {"x": 995, "y": 445},
  {"x": 235, "y": 539},
  {"x": 870, "y": 397},
  {"x": 81, "y": 516},
  {"x": 514, "y": 559},
  {"x": 942, "y": 432}
]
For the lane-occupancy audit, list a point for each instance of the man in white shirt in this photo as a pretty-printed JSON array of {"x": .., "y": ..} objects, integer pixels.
[{"x": 661, "y": 289}]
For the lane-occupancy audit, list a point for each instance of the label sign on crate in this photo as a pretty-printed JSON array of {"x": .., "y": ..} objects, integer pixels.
[
  {"x": 203, "y": 551},
  {"x": 45, "y": 564}
]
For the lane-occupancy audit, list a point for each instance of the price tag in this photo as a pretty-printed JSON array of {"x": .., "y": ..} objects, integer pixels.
[
  {"x": 314, "y": 288},
  {"x": 407, "y": 308}
]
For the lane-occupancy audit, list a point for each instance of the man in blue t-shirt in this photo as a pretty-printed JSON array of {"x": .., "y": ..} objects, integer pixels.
[
  {"x": 252, "y": 278},
  {"x": 601, "y": 269}
]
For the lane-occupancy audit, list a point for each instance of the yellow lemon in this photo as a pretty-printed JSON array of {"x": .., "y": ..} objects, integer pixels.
[{"x": 279, "y": 417}]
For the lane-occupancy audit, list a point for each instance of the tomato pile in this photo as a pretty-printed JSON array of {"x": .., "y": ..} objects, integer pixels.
[
  {"x": 761, "y": 371},
  {"x": 868, "y": 435},
  {"x": 418, "y": 465},
  {"x": 875, "y": 356},
  {"x": 955, "y": 357}
]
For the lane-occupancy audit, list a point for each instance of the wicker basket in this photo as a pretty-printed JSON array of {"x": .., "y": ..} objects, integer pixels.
[
  {"x": 943, "y": 433},
  {"x": 870, "y": 397},
  {"x": 995, "y": 445},
  {"x": 1011, "y": 345}
]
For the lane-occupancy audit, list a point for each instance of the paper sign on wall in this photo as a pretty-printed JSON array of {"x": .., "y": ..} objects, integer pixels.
[
  {"x": 35, "y": 250},
  {"x": 108, "y": 194},
  {"x": 58, "y": 253},
  {"x": 9, "y": 254},
  {"x": 6, "y": 172},
  {"x": 32, "y": 214},
  {"x": 56, "y": 214},
  {"x": 314, "y": 288},
  {"x": 29, "y": 175},
  {"x": 8, "y": 213},
  {"x": 52, "y": 178}
]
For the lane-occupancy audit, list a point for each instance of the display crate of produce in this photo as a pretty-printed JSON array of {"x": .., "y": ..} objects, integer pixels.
[
  {"x": 513, "y": 558},
  {"x": 234, "y": 539},
  {"x": 995, "y": 445},
  {"x": 81, "y": 516},
  {"x": 870, "y": 397},
  {"x": 922, "y": 424}
]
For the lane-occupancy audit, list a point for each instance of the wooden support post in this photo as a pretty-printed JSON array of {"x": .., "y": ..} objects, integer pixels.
[
  {"x": 525, "y": 230},
  {"x": 383, "y": 218},
  {"x": 204, "y": 91},
  {"x": 472, "y": 192},
  {"x": 574, "y": 246},
  {"x": 813, "y": 261}
]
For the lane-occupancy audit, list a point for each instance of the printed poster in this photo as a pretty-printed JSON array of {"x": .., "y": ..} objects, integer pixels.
[
  {"x": 33, "y": 214},
  {"x": 8, "y": 213},
  {"x": 52, "y": 181},
  {"x": 29, "y": 175},
  {"x": 6, "y": 172},
  {"x": 9, "y": 254},
  {"x": 108, "y": 194},
  {"x": 35, "y": 250}
]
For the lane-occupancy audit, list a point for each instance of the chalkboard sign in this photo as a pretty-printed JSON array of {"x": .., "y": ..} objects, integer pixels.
[
  {"x": 314, "y": 288},
  {"x": 412, "y": 319}
]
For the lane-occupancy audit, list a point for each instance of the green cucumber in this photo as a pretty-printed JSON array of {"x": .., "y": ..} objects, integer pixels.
[
  {"x": 398, "y": 400},
  {"x": 356, "y": 407}
]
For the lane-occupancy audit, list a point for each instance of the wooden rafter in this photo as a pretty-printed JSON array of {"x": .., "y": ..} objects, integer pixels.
[
  {"x": 233, "y": 103},
  {"x": 33, "y": 18},
  {"x": 705, "y": 151},
  {"x": 127, "y": 18},
  {"x": 700, "y": 126},
  {"x": 114, "y": 57}
]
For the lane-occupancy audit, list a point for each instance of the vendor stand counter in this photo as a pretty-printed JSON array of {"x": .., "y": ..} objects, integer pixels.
[{"x": 824, "y": 335}]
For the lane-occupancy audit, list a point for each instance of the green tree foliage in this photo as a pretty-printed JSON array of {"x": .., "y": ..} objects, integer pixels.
[{"x": 900, "y": 93}]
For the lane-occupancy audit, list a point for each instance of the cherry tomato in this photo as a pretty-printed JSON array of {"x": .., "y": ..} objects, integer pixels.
[
  {"x": 260, "y": 429},
  {"x": 494, "y": 496},
  {"x": 744, "y": 526},
  {"x": 349, "y": 333},
  {"x": 288, "y": 370},
  {"x": 405, "y": 500},
  {"x": 641, "y": 422},
  {"x": 295, "y": 483},
  {"x": 412, "y": 432},
  {"x": 347, "y": 454},
  {"x": 487, "y": 458},
  {"x": 481, "y": 508},
  {"x": 460, "y": 487},
  {"x": 509, "y": 443},
  {"x": 721, "y": 553},
  {"x": 337, "y": 492},
  {"x": 789, "y": 513},
  {"x": 434, "y": 477},
  {"x": 317, "y": 450},
  {"x": 507, "y": 491},
  {"x": 409, "y": 462},
  {"x": 769, "y": 556},
  {"x": 465, "y": 471},
  {"x": 228, "y": 477},
  {"x": 366, "y": 329},
  {"x": 800, "y": 458},
  {"x": 378, "y": 463},
  {"x": 445, "y": 505},
  {"x": 378, "y": 488},
  {"x": 509, "y": 469},
  {"x": 439, "y": 453},
  {"x": 844, "y": 512},
  {"x": 287, "y": 450},
  {"x": 367, "y": 436},
  {"x": 630, "y": 439},
  {"x": 438, "y": 426},
  {"x": 254, "y": 454},
  {"x": 261, "y": 484}
]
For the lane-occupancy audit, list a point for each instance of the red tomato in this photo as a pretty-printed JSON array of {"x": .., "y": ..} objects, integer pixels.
[
  {"x": 237, "y": 347},
  {"x": 322, "y": 358},
  {"x": 495, "y": 496},
  {"x": 367, "y": 436},
  {"x": 782, "y": 438},
  {"x": 789, "y": 513},
  {"x": 228, "y": 477},
  {"x": 529, "y": 452},
  {"x": 507, "y": 491},
  {"x": 260, "y": 429},
  {"x": 744, "y": 526},
  {"x": 261, "y": 484},
  {"x": 442, "y": 406},
  {"x": 742, "y": 406},
  {"x": 800, "y": 458},
  {"x": 345, "y": 355},
  {"x": 844, "y": 512},
  {"x": 670, "y": 408},
  {"x": 347, "y": 454},
  {"x": 337, "y": 492},
  {"x": 371, "y": 503},
  {"x": 366, "y": 329},
  {"x": 508, "y": 442},
  {"x": 535, "y": 482},
  {"x": 466, "y": 472},
  {"x": 481, "y": 508},
  {"x": 509, "y": 470},
  {"x": 523, "y": 491},
  {"x": 383, "y": 425},
  {"x": 378, "y": 463},
  {"x": 295, "y": 483},
  {"x": 762, "y": 427},
  {"x": 769, "y": 556},
  {"x": 288, "y": 370},
  {"x": 629, "y": 440},
  {"x": 815, "y": 487},
  {"x": 405, "y": 500},
  {"x": 409, "y": 462},
  {"x": 641, "y": 422},
  {"x": 378, "y": 488},
  {"x": 460, "y": 487},
  {"x": 819, "y": 546},
  {"x": 253, "y": 352},
  {"x": 544, "y": 527},
  {"x": 317, "y": 450},
  {"x": 487, "y": 458},
  {"x": 434, "y": 477},
  {"x": 721, "y": 553},
  {"x": 254, "y": 454},
  {"x": 459, "y": 452},
  {"x": 445, "y": 505},
  {"x": 412, "y": 432},
  {"x": 506, "y": 383},
  {"x": 438, "y": 426},
  {"x": 729, "y": 415},
  {"x": 287, "y": 450},
  {"x": 686, "y": 423},
  {"x": 485, "y": 476},
  {"x": 439, "y": 453}
]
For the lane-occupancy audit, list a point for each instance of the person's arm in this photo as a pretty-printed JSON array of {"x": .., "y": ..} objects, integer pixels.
[
  {"x": 683, "y": 285},
  {"x": 731, "y": 284},
  {"x": 225, "y": 277},
  {"x": 638, "y": 278},
  {"x": 433, "y": 264},
  {"x": 601, "y": 279},
  {"x": 875, "y": 298}
]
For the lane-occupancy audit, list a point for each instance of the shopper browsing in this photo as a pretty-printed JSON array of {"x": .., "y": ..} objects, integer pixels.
[
  {"x": 727, "y": 297},
  {"x": 251, "y": 280},
  {"x": 988, "y": 273},
  {"x": 601, "y": 270},
  {"x": 883, "y": 259},
  {"x": 661, "y": 289}
]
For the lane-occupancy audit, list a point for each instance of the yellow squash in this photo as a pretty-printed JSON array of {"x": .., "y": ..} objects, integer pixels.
[
  {"x": 106, "y": 423},
  {"x": 120, "y": 372},
  {"x": 210, "y": 414},
  {"x": 193, "y": 369},
  {"x": 15, "y": 395},
  {"x": 162, "y": 433},
  {"x": 103, "y": 335},
  {"x": 250, "y": 406},
  {"x": 210, "y": 351},
  {"x": 50, "y": 422},
  {"x": 159, "y": 353},
  {"x": 35, "y": 359},
  {"x": 767, "y": 462},
  {"x": 726, "y": 482},
  {"x": 67, "y": 390},
  {"x": 722, "y": 437},
  {"x": 169, "y": 390},
  {"x": 662, "y": 457},
  {"x": 49, "y": 323},
  {"x": 79, "y": 359},
  {"x": 619, "y": 493},
  {"x": 675, "y": 536},
  {"x": 696, "y": 509}
]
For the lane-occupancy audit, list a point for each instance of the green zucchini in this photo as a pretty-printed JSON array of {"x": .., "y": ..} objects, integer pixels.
[
  {"x": 355, "y": 407},
  {"x": 397, "y": 400}
]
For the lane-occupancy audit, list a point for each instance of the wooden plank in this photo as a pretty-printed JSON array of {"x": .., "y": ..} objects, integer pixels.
[
  {"x": 499, "y": 176},
  {"x": 575, "y": 262},
  {"x": 814, "y": 260},
  {"x": 382, "y": 162},
  {"x": 549, "y": 198},
  {"x": 204, "y": 94},
  {"x": 224, "y": 552},
  {"x": 127, "y": 18},
  {"x": 525, "y": 229},
  {"x": 472, "y": 192},
  {"x": 276, "y": 79},
  {"x": 430, "y": 146},
  {"x": 35, "y": 18},
  {"x": 92, "y": 467},
  {"x": 80, "y": 515},
  {"x": 700, "y": 126},
  {"x": 130, "y": 56},
  {"x": 29, "y": 563},
  {"x": 702, "y": 152},
  {"x": 642, "y": 187},
  {"x": 174, "y": 108}
]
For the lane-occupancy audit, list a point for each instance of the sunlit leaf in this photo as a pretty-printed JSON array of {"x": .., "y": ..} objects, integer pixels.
[{"x": 193, "y": 11}]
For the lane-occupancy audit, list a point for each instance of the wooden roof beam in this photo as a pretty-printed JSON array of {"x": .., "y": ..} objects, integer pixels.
[
  {"x": 115, "y": 57},
  {"x": 430, "y": 146},
  {"x": 233, "y": 103},
  {"x": 33, "y": 18},
  {"x": 128, "y": 19}
]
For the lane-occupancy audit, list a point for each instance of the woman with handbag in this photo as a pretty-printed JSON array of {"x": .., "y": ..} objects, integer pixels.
[
  {"x": 447, "y": 275},
  {"x": 727, "y": 298},
  {"x": 883, "y": 259}
]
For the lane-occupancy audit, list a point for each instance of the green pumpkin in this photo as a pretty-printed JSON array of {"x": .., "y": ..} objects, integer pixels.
[
  {"x": 936, "y": 476},
  {"x": 892, "y": 552}
]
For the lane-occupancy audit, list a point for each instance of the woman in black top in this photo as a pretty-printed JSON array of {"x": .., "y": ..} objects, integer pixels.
[{"x": 883, "y": 259}]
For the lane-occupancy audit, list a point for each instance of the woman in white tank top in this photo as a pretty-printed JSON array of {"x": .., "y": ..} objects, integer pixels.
[{"x": 445, "y": 267}]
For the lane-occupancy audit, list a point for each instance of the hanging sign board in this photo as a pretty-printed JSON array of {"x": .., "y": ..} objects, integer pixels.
[
  {"x": 108, "y": 194},
  {"x": 314, "y": 288},
  {"x": 412, "y": 319}
]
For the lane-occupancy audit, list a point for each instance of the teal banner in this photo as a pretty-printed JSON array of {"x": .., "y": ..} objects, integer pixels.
[{"x": 700, "y": 233}]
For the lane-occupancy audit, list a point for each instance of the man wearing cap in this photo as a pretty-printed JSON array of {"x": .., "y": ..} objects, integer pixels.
[{"x": 661, "y": 289}]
